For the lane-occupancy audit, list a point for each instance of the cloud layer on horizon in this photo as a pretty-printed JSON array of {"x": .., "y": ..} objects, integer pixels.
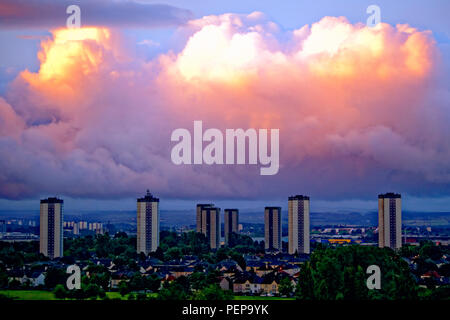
[
  {"x": 15, "y": 14},
  {"x": 360, "y": 111}
]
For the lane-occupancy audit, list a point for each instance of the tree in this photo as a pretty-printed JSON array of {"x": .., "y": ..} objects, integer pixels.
[
  {"x": 340, "y": 273},
  {"x": 430, "y": 250},
  {"x": 14, "y": 284},
  {"x": 123, "y": 288},
  {"x": 197, "y": 280},
  {"x": 172, "y": 291},
  {"x": 305, "y": 285},
  {"x": 54, "y": 276},
  {"x": 92, "y": 291},
  {"x": 158, "y": 254},
  {"x": 60, "y": 292},
  {"x": 152, "y": 283},
  {"x": 184, "y": 283},
  {"x": 285, "y": 287},
  {"x": 173, "y": 253},
  {"x": 137, "y": 282},
  {"x": 213, "y": 292}
]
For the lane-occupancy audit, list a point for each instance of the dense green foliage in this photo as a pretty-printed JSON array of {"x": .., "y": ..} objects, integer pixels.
[
  {"x": 340, "y": 273},
  {"x": 330, "y": 274},
  {"x": 174, "y": 246}
]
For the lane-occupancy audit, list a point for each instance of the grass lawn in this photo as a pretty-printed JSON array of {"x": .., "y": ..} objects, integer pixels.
[
  {"x": 47, "y": 295},
  {"x": 260, "y": 298},
  {"x": 115, "y": 295},
  {"x": 29, "y": 294}
]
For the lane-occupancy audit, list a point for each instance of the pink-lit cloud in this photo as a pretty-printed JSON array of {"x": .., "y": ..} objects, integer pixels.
[{"x": 360, "y": 110}]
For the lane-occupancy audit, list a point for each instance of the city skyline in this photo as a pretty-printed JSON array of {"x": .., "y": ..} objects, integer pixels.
[{"x": 208, "y": 222}]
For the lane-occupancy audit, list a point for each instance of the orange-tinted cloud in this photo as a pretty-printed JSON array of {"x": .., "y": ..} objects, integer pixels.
[{"x": 357, "y": 108}]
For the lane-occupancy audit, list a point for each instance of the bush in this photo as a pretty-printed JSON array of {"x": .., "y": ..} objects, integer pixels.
[{"x": 60, "y": 292}]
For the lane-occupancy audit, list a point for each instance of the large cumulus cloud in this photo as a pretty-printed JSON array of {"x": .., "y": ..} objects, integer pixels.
[{"x": 360, "y": 110}]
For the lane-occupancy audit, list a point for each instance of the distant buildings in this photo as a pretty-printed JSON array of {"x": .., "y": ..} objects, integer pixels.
[
  {"x": 51, "y": 228},
  {"x": 82, "y": 225},
  {"x": 208, "y": 222},
  {"x": 96, "y": 227},
  {"x": 390, "y": 220},
  {"x": 272, "y": 228},
  {"x": 298, "y": 223},
  {"x": 2, "y": 228},
  {"x": 231, "y": 223},
  {"x": 75, "y": 227},
  {"x": 147, "y": 223},
  {"x": 209, "y": 217}
]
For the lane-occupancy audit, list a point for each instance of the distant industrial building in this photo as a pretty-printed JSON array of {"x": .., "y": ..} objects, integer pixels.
[
  {"x": 272, "y": 228},
  {"x": 298, "y": 223},
  {"x": 147, "y": 223},
  {"x": 231, "y": 223},
  {"x": 51, "y": 227},
  {"x": 390, "y": 220}
]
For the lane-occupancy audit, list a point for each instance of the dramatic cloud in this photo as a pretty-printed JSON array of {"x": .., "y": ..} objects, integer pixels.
[
  {"x": 120, "y": 13},
  {"x": 360, "y": 111}
]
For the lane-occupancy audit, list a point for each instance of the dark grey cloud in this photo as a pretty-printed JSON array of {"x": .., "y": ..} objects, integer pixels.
[{"x": 122, "y": 13}]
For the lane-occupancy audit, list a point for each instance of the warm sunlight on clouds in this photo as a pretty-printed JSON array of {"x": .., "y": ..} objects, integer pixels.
[
  {"x": 70, "y": 50},
  {"x": 351, "y": 102}
]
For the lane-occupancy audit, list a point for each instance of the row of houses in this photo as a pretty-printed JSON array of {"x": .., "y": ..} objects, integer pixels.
[
  {"x": 250, "y": 283},
  {"x": 27, "y": 277},
  {"x": 261, "y": 274}
]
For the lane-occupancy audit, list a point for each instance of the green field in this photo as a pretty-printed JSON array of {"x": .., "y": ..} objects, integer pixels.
[
  {"x": 260, "y": 298},
  {"x": 47, "y": 295},
  {"x": 29, "y": 294}
]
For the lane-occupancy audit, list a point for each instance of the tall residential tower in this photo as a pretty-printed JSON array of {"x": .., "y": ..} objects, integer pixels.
[
  {"x": 298, "y": 221},
  {"x": 147, "y": 223},
  {"x": 210, "y": 224},
  {"x": 51, "y": 228},
  {"x": 199, "y": 219},
  {"x": 231, "y": 223},
  {"x": 272, "y": 228},
  {"x": 390, "y": 220}
]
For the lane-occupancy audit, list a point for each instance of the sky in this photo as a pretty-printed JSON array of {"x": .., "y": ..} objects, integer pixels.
[{"x": 87, "y": 114}]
